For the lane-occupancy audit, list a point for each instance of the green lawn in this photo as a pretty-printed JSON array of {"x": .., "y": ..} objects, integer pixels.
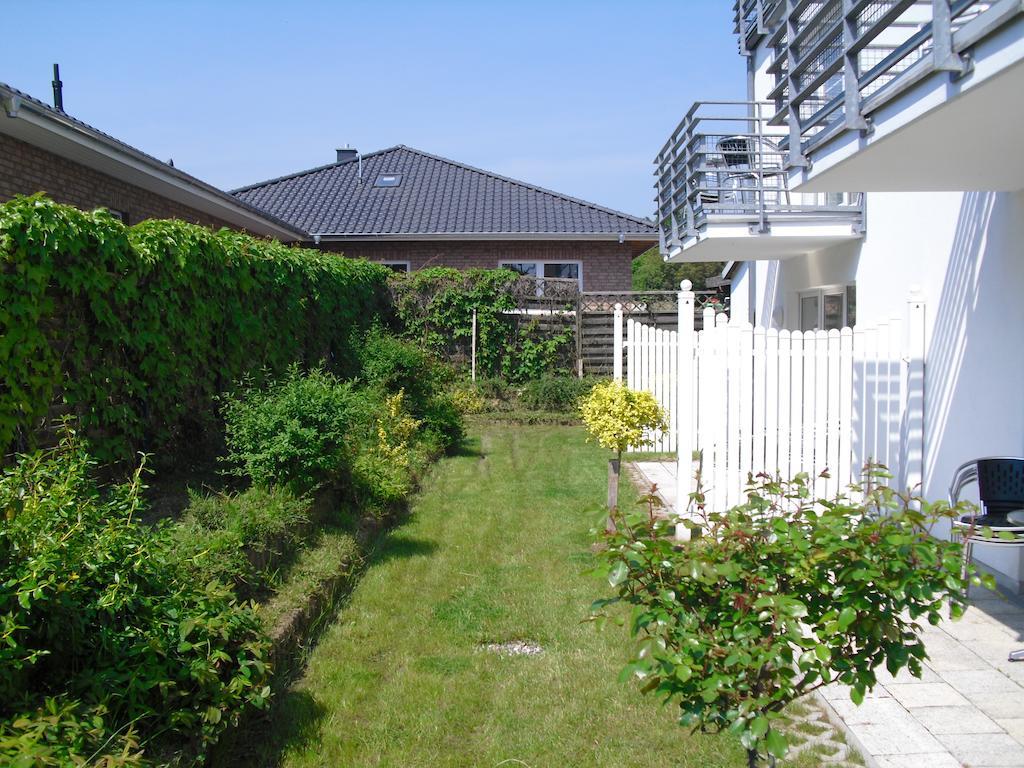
[{"x": 496, "y": 549}]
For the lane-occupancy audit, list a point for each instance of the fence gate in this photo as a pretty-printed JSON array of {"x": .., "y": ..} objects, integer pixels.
[{"x": 753, "y": 400}]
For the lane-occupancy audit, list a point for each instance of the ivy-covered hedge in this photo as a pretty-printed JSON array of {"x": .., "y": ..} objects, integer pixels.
[
  {"x": 435, "y": 306},
  {"x": 136, "y": 330}
]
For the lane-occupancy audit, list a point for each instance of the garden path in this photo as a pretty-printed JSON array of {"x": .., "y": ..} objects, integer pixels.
[{"x": 464, "y": 644}]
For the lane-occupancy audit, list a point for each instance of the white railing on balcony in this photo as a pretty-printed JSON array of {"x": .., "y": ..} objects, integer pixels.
[
  {"x": 725, "y": 163},
  {"x": 836, "y": 61}
]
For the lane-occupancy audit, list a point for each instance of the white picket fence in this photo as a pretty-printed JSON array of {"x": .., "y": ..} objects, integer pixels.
[
  {"x": 763, "y": 400},
  {"x": 652, "y": 357}
]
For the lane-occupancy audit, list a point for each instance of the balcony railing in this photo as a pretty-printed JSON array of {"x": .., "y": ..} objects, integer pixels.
[
  {"x": 724, "y": 164},
  {"x": 752, "y": 20},
  {"x": 836, "y": 61}
]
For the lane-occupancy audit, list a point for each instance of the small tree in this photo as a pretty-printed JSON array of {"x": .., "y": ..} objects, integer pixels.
[
  {"x": 781, "y": 596},
  {"x": 618, "y": 417}
]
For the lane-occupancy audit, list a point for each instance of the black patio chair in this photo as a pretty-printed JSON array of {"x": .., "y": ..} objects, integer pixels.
[{"x": 1000, "y": 482}]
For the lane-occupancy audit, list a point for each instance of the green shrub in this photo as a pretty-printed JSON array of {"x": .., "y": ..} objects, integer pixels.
[
  {"x": 399, "y": 366},
  {"x": 494, "y": 388},
  {"x": 781, "y": 596},
  {"x": 556, "y": 393},
  {"x": 310, "y": 430},
  {"x": 240, "y": 538},
  {"x": 442, "y": 420},
  {"x": 396, "y": 365},
  {"x": 297, "y": 431},
  {"x": 434, "y": 308},
  {"x": 137, "y": 329},
  {"x": 467, "y": 399},
  {"x": 384, "y": 468},
  {"x": 97, "y": 616},
  {"x": 63, "y": 733}
]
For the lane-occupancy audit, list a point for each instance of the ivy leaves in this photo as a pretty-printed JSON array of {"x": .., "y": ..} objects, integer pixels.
[
  {"x": 138, "y": 329},
  {"x": 435, "y": 308}
]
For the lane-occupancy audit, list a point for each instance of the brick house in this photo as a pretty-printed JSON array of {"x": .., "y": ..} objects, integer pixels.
[
  {"x": 43, "y": 149},
  {"x": 410, "y": 209},
  {"x": 399, "y": 206}
]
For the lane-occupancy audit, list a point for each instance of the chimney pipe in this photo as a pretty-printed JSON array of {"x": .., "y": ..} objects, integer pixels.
[
  {"x": 58, "y": 89},
  {"x": 346, "y": 154}
]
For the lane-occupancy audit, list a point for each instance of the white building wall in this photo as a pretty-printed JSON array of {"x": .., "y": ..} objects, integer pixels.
[
  {"x": 965, "y": 252},
  {"x": 740, "y": 287}
]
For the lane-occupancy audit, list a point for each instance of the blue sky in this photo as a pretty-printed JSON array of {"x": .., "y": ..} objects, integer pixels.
[{"x": 574, "y": 96}]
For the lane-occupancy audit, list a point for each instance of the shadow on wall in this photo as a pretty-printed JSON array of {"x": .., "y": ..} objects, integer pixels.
[
  {"x": 974, "y": 395},
  {"x": 770, "y": 314}
]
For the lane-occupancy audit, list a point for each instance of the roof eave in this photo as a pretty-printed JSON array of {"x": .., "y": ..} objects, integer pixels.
[
  {"x": 419, "y": 236},
  {"x": 120, "y": 160}
]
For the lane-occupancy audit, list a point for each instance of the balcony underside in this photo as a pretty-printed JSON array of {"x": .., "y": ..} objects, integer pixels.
[
  {"x": 725, "y": 239},
  {"x": 940, "y": 134}
]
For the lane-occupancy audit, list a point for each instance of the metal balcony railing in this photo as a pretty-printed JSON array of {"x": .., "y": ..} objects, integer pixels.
[
  {"x": 752, "y": 20},
  {"x": 724, "y": 163},
  {"x": 836, "y": 61}
]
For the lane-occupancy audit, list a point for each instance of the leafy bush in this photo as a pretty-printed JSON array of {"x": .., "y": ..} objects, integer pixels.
[
  {"x": 534, "y": 352},
  {"x": 618, "y": 417},
  {"x": 781, "y": 596},
  {"x": 467, "y": 399},
  {"x": 396, "y": 365},
  {"x": 494, "y": 388},
  {"x": 296, "y": 431},
  {"x": 400, "y": 367},
  {"x": 240, "y": 538},
  {"x": 102, "y": 633},
  {"x": 383, "y": 469},
  {"x": 442, "y": 421},
  {"x": 310, "y": 430},
  {"x": 556, "y": 393},
  {"x": 434, "y": 308},
  {"x": 137, "y": 329},
  {"x": 63, "y": 733}
]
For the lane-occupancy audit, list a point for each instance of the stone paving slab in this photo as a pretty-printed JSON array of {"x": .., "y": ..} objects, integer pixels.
[
  {"x": 947, "y": 721},
  {"x": 988, "y": 749},
  {"x": 966, "y": 710}
]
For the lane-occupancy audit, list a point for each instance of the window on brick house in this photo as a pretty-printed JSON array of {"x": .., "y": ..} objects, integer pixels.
[
  {"x": 397, "y": 266},
  {"x": 121, "y": 216},
  {"x": 522, "y": 267},
  {"x": 571, "y": 270}
]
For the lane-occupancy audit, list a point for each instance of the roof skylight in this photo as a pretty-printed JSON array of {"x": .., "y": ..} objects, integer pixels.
[{"x": 388, "y": 180}]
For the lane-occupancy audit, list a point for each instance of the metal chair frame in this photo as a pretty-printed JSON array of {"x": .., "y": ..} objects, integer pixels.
[{"x": 966, "y": 530}]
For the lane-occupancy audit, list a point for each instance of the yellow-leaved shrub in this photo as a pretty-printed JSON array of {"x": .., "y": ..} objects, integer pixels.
[{"x": 618, "y": 417}]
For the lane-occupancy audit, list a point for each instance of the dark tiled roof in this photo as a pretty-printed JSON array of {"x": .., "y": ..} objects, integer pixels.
[
  {"x": 7, "y": 92},
  {"x": 436, "y": 196}
]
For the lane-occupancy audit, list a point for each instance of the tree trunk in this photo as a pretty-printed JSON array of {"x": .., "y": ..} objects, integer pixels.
[{"x": 613, "y": 489}]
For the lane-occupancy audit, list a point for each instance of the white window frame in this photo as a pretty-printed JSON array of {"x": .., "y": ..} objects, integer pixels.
[
  {"x": 539, "y": 264},
  {"x": 820, "y": 292},
  {"x": 397, "y": 263}
]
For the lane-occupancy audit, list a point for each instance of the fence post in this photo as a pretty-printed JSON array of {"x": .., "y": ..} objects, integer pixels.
[
  {"x": 579, "y": 335},
  {"x": 915, "y": 390},
  {"x": 617, "y": 333},
  {"x": 473, "y": 374},
  {"x": 683, "y": 416}
]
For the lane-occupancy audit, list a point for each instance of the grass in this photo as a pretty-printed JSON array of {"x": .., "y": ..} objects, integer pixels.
[
  {"x": 332, "y": 553},
  {"x": 496, "y": 550}
]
